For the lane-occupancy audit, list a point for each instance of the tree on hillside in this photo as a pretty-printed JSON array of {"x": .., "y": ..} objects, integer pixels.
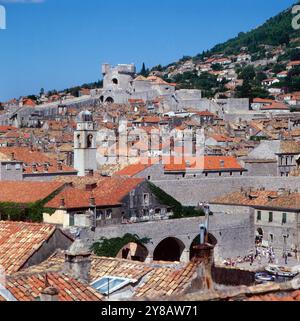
[
  {"x": 144, "y": 72},
  {"x": 248, "y": 73}
]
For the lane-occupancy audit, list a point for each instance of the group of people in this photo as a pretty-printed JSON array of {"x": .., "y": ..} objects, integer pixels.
[
  {"x": 260, "y": 252},
  {"x": 267, "y": 253}
]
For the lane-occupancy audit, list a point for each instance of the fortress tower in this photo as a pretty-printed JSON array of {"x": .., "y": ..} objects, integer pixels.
[{"x": 118, "y": 77}]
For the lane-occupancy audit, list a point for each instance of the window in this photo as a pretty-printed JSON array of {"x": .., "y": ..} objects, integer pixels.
[
  {"x": 99, "y": 215},
  {"x": 258, "y": 216},
  {"x": 108, "y": 214},
  {"x": 271, "y": 237},
  {"x": 18, "y": 167},
  {"x": 110, "y": 284},
  {"x": 90, "y": 141},
  {"x": 284, "y": 218},
  {"x": 8, "y": 167},
  {"x": 71, "y": 220},
  {"x": 270, "y": 217},
  {"x": 146, "y": 199},
  {"x": 131, "y": 198}
]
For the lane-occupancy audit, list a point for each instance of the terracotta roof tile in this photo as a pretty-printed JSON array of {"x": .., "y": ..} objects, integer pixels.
[
  {"x": 22, "y": 191},
  {"x": 19, "y": 241},
  {"x": 110, "y": 192},
  {"x": 27, "y": 287}
]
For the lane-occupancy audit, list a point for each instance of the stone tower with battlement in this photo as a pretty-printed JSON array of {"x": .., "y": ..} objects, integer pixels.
[{"x": 118, "y": 77}]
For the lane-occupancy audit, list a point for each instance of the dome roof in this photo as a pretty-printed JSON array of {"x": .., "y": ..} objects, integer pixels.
[{"x": 84, "y": 116}]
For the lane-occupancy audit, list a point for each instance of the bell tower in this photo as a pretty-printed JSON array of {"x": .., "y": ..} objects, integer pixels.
[{"x": 85, "y": 144}]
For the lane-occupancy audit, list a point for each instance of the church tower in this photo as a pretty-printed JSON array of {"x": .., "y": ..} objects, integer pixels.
[{"x": 85, "y": 144}]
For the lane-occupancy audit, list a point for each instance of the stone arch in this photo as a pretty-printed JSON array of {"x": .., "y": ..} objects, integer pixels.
[
  {"x": 134, "y": 251},
  {"x": 109, "y": 100},
  {"x": 259, "y": 235},
  {"x": 196, "y": 241},
  {"x": 169, "y": 249}
]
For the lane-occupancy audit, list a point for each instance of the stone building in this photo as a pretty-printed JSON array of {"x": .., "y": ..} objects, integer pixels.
[
  {"x": 29, "y": 164},
  {"x": 121, "y": 84},
  {"x": 275, "y": 213},
  {"x": 110, "y": 201},
  {"x": 273, "y": 158},
  {"x": 277, "y": 222}
]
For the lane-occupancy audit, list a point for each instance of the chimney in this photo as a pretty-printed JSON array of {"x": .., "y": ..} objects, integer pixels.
[
  {"x": 34, "y": 168},
  {"x": 49, "y": 293},
  {"x": 46, "y": 167},
  {"x": 12, "y": 156},
  {"x": 59, "y": 166},
  {"x": 92, "y": 201},
  {"x": 90, "y": 187},
  {"x": 187, "y": 163},
  {"x": 62, "y": 203},
  {"x": 89, "y": 173},
  {"x": 78, "y": 261},
  {"x": 222, "y": 163},
  {"x": 204, "y": 256}
]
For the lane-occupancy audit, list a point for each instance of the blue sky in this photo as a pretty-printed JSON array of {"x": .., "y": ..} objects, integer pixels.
[{"x": 56, "y": 44}]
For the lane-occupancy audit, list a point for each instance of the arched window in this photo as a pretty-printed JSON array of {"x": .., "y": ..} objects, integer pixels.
[
  {"x": 78, "y": 141},
  {"x": 115, "y": 81},
  {"x": 90, "y": 141}
]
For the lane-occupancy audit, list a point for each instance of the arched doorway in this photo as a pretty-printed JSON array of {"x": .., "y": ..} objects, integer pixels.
[
  {"x": 133, "y": 251},
  {"x": 211, "y": 240},
  {"x": 169, "y": 249},
  {"x": 109, "y": 100},
  {"x": 259, "y": 236}
]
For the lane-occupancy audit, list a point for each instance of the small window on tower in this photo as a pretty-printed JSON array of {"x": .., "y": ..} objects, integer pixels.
[
  {"x": 90, "y": 141},
  {"x": 115, "y": 81},
  {"x": 78, "y": 141}
]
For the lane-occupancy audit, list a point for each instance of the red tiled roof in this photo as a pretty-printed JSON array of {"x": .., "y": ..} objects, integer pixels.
[
  {"x": 205, "y": 113},
  {"x": 5, "y": 129},
  {"x": 276, "y": 105},
  {"x": 222, "y": 138},
  {"x": 206, "y": 163},
  {"x": 28, "y": 287},
  {"x": 24, "y": 192},
  {"x": 156, "y": 279},
  {"x": 19, "y": 241},
  {"x": 167, "y": 281},
  {"x": 110, "y": 192},
  {"x": 262, "y": 101},
  {"x": 132, "y": 170},
  {"x": 280, "y": 297},
  {"x": 32, "y": 157},
  {"x": 294, "y": 63},
  {"x": 247, "y": 198},
  {"x": 29, "y": 102}
]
